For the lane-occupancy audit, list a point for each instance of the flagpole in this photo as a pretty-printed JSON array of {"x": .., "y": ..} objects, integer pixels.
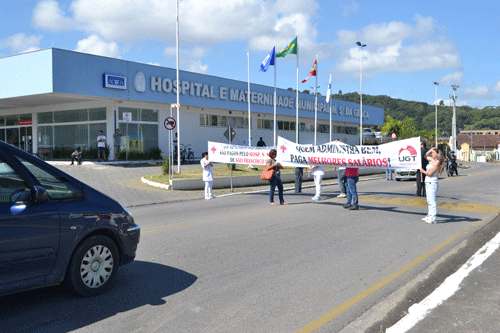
[
  {"x": 330, "y": 104},
  {"x": 316, "y": 102},
  {"x": 249, "y": 119},
  {"x": 178, "y": 86},
  {"x": 274, "y": 133},
  {"x": 297, "y": 97}
]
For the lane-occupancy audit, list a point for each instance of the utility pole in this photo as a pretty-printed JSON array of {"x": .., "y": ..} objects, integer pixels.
[{"x": 454, "y": 120}]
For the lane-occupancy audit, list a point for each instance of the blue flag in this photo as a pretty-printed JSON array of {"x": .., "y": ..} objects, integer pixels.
[{"x": 269, "y": 61}]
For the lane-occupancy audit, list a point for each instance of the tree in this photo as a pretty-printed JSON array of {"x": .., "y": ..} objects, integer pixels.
[
  {"x": 340, "y": 92},
  {"x": 441, "y": 103}
]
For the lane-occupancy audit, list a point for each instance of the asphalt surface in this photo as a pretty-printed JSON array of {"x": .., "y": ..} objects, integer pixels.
[{"x": 475, "y": 307}]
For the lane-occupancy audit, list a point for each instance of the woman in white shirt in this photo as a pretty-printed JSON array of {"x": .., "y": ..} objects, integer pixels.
[
  {"x": 318, "y": 173},
  {"x": 435, "y": 166},
  {"x": 208, "y": 175}
]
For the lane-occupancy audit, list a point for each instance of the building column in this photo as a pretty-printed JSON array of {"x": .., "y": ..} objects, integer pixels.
[{"x": 110, "y": 130}]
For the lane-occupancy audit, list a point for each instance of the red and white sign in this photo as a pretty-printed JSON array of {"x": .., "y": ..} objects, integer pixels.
[
  {"x": 25, "y": 122},
  {"x": 393, "y": 135},
  {"x": 402, "y": 154},
  {"x": 169, "y": 123}
]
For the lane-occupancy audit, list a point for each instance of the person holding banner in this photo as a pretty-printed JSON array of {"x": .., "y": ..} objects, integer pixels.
[
  {"x": 276, "y": 179},
  {"x": 318, "y": 173},
  {"x": 352, "y": 193},
  {"x": 435, "y": 166},
  {"x": 208, "y": 175}
]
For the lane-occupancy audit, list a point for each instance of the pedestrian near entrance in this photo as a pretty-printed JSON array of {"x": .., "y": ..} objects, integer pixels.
[
  {"x": 435, "y": 167},
  {"x": 101, "y": 146},
  {"x": 342, "y": 179},
  {"x": 299, "y": 172},
  {"x": 77, "y": 156},
  {"x": 208, "y": 175},
  {"x": 276, "y": 179},
  {"x": 352, "y": 192},
  {"x": 117, "y": 142},
  {"x": 318, "y": 173},
  {"x": 261, "y": 143},
  {"x": 421, "y": 176}
]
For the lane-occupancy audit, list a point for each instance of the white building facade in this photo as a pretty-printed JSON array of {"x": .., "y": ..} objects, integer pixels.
[{"x": 58, "y": 98}]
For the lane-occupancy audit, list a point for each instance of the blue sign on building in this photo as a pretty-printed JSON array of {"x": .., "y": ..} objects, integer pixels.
[{"x": 114, "y": 81}]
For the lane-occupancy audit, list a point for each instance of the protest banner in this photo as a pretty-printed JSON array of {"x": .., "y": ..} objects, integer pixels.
[
  {"x": 226, "y": 153},
  {"x": 402, "y": 154}
]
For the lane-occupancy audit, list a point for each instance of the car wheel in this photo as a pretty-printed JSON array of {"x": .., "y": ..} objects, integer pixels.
[
  {"x": 93, "y": 266},
  {"x": 398, "y": 179}
]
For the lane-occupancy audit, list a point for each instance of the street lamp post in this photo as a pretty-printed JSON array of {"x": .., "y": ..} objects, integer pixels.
[
  {"x": 436, "y": 129},
  {"x": 361, "y": 92},
  {"x": 454, "y": 120}
]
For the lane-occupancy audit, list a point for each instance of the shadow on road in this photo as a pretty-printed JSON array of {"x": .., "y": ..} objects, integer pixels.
[{"x": 55, "y": 310}]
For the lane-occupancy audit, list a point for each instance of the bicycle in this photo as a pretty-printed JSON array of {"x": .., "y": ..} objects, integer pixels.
[{"x": 187, "y": 155}]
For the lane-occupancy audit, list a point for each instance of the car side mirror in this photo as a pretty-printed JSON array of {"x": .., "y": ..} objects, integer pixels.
[
  {"x": 41, "y": 195},
  {"x": 20, "y": 196}
]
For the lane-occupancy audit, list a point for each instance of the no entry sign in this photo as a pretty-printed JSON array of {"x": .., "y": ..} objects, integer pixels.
[{"x": 169, "y": 123}]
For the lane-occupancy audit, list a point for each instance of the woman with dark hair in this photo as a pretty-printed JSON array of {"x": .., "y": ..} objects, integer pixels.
[
  {"x": 275, "y": 180},
  {"x": 435, "y": 166}
]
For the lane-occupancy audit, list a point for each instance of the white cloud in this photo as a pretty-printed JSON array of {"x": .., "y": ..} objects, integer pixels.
[
  {"x": 95, "y": 45},
  {"x": 20, "y": 43},
  {"x": 395, "y": 47},
  {"x": 48, "y": 15},
  {"x": 154, "y": 64},
  {"x": 452, "y": 78},
  {"x": 349, "y": 8},
  {"x": 189, "y": 58},
  {"x": 497, "y": 87},
  {"x": 480, "y": 92}
]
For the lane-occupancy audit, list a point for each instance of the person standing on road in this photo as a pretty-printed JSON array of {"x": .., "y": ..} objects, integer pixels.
[
  {"x": 420, "y": 176},
  {"x": 276, "y": 179},
  {"x": 388, "y": 174},
  {"x": 342, "y": 182},
  {"x": 101, "y": 146},
  {"x": 208, "y": 175},
  {"x": 318, "y": 173},
  {"x": 299, "y": 172},
  {"x": 435, "y": 166},
  {"x": 352, "y": 193},
  {"x": 117, "y": 143}
]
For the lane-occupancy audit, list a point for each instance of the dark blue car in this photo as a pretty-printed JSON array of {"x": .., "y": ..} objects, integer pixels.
[{"x": 54, "y": 229}]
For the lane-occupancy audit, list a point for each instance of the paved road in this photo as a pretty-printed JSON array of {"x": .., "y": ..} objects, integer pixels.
[{"x": 280, "y": 269}]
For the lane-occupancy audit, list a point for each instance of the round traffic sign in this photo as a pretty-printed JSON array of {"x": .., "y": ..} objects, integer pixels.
[
  {"x": 169, "y": 123},
  {"x": 393, "y": 135}
]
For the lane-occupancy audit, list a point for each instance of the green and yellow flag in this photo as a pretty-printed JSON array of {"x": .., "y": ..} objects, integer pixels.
[{"x": 290, "y": 49}]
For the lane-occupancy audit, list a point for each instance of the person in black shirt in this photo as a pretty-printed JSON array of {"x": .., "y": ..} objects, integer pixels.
[
  {"x": 421, "y": 176},
  {"x": 261, "y": 143}
]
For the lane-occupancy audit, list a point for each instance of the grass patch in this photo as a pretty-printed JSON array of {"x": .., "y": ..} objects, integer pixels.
[{"x": 219, "y": 171}]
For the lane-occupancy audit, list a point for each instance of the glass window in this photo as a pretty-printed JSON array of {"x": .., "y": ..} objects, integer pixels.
[
  {"x": 214, "y": 121},
  {"x": 12, "y": 120},
  {"x": 70, "y": 116},
  {"x": 280, "y": 125},
  {"x": 148, "y": 136},
  {"x": 286, "y": 125},
  {"x": 135, "y": 113},
  {"x": 26, "y": 116},
  {"x": 268, "y": 124},
  {"x": 57, "y": 187},
  {"x": 45, "y": 137},
  {"x": 149, "y": 115},
  {"x": 292, "y": 126},
  {"x": 2, "y": 134},
  {"x": 203, "y": 120},
  {"x": 223, "y": 121},
  {"x": 45, "y": 117},
  {"x": 97, "y": 114},
  {"x": 2, "y": 121},
  {"x": 72, "y": 136},
  {"x": 10, "y": 182}
]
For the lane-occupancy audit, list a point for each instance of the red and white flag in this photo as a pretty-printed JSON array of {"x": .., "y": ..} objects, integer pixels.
[{"x": 312, "y": 72}]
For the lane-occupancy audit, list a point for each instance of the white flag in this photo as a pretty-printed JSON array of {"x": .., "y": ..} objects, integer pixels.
[{"x": 329, "y": 89}]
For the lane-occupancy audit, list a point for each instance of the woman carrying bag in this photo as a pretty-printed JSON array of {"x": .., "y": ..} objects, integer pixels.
[
  {"x": 435, "y": 166},
  {"x": 275, "y": 179}
]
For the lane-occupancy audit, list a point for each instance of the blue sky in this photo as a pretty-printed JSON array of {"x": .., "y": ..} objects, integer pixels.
[{"x": 410, "y": 44}]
